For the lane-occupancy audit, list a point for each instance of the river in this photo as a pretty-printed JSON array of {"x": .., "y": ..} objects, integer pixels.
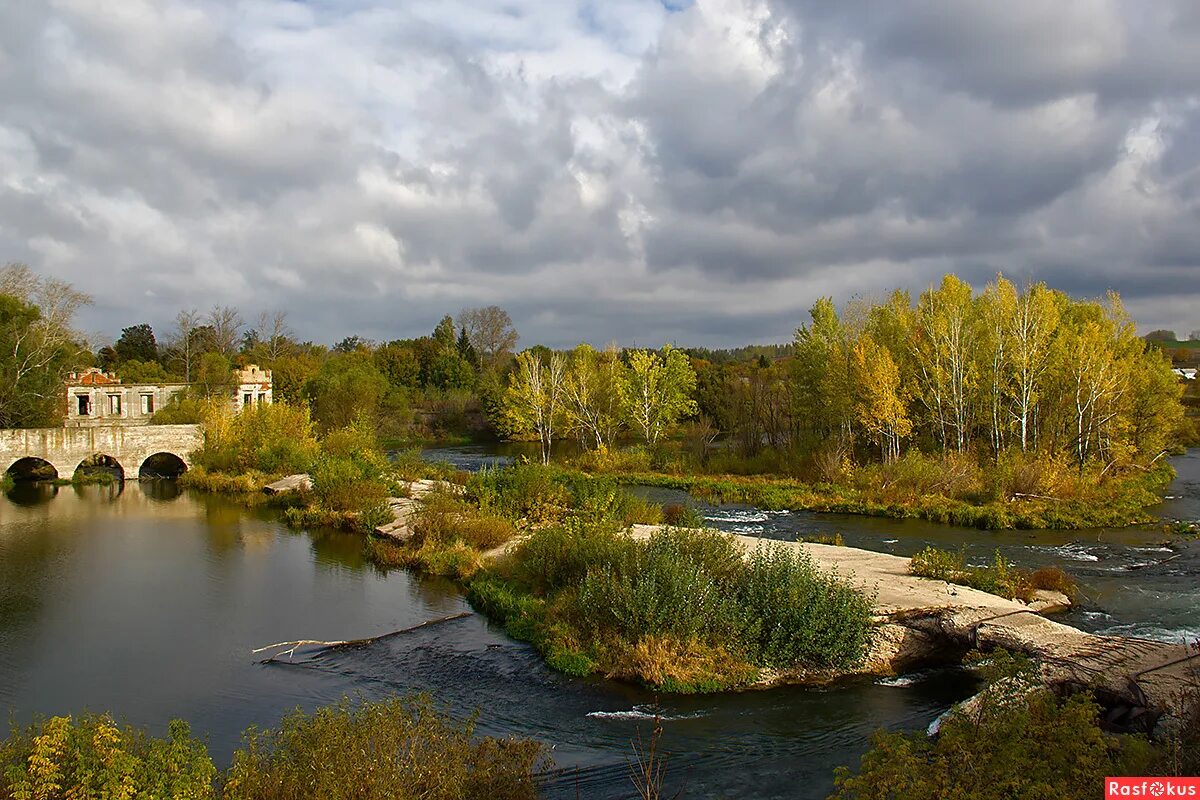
[{"x": 147, "y": 602}]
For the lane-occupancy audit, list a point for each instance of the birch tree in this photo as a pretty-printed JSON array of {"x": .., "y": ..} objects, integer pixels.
[
  {"x": 37, "y": 345},
  {"x": 658, "y": 390},
  {"x": 533, "y": 401},
  {"x": 879, "y": 407},
  {"x": 944, "y": 358},
  {"x": 1029, "y": 335},
  {"x": 592, "y": 393}
]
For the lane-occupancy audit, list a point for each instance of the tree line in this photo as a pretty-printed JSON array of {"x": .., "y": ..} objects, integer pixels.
[
  {"x": 1008, "y": 368},
  {"x": 1028, "y": 369}
]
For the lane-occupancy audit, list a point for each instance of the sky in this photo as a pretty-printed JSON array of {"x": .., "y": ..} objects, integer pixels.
[{"x": 606, "y": 170}]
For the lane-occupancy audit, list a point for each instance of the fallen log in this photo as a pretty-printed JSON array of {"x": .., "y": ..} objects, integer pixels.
[{"x": 291, "y": 647}]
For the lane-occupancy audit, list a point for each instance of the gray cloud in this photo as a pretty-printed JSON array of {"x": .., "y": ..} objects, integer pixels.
[{"x": 621, "y": 170}]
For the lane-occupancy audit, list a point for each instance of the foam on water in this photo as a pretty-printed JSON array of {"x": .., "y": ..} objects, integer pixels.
[{"x": 643, "y": 712}]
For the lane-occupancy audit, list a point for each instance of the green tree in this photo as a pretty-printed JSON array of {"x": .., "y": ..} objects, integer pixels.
[
  {"x": 657, "y": 390},
  {"x": 592, "y": 393},
  {"x": 533, "y": 402},
  {"x": 347, "y": 387},
  {"x": 37, "y": 346},
  {"x": 137, "y": 343},
  {"x": 213, "y": 377},
  {"x": 822, "y": 370}
]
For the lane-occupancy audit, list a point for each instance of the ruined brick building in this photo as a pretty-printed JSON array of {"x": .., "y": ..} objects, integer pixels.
[{"x": 95, "y": 397}]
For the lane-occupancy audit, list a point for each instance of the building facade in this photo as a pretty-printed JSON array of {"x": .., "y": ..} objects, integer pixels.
[{"x": 95, "y": 397}]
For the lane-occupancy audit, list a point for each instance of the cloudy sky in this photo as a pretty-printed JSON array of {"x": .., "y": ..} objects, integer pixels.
[{"x": 634, "y": 170}]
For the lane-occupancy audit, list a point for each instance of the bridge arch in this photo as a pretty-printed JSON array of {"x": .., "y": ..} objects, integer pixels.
[
  {"x": 32, "y": 468},
  {"x": 163, "y": 464},
  {"x": 99, "y": 464}
]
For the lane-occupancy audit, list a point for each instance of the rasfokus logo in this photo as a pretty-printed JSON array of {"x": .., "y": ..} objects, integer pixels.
[{"x": 1151, "y": 787}]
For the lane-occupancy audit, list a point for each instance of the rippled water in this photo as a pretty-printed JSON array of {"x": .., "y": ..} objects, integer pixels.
[{"x": 1136, "y": 581}]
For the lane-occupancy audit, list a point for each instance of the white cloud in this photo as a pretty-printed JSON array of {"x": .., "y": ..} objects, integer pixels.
[{"x": 604, "y": 170}]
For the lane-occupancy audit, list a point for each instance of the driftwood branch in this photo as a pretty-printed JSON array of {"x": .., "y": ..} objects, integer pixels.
[
  {"x": 1037, "y": 496},
  {"x": 291, "y": 647}
]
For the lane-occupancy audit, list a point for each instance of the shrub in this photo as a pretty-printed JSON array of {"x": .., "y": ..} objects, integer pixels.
[
  {"x": 679, "y": 515},
  {"x": 939, "y": 564},
  {"x": 92, "y": 756},
  {"x": 392, "y": 748},
  {"x": 682, "y": 596},
  {"x": 347, "y": 484},
  {"x": 1036, "y": 747},
  {"x": 525, "y": 491},
  {"x": 273, "y": 439},
  {"x": 795, "y": 614},
  {"x": 1054, "y": 579},
  {"x": 444, "y": 518},
  {"x": 999, "y": 578}
]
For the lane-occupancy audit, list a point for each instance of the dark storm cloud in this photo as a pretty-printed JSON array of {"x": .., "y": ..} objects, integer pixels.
[{"x": 628, "y": 170}]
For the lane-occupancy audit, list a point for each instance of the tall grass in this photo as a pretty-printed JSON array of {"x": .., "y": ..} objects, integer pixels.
[{"x": 683, "y": 610}]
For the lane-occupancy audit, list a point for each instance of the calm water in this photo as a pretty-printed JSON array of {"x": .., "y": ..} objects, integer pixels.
[{"x": 147, "y": 602}]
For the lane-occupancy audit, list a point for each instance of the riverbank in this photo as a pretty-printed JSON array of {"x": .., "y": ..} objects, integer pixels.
[{"x": 1118, "y": 503}]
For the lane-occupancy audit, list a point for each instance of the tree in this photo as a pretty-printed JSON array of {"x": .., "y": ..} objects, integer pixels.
[
  {"x": 943, "y": 353},
  {"x": 1161, "y": 335},
  {"x": 347, "y": 387},
  {"x": 225, "y": 325},
  {"x": 352, "y": 344},
  {"x": 533, "y": 401},
  {"x": 823, "y": 372},
  {"x": 399, "y": 364},
  {"x": 137, "y": 343},
  {"x": 490, "y": 331},
  {"x": 996, "y": 307},
  {"x": 273, "y": 334},
  {"x": 1030, "y": 332},
  {"x": 37, "y": 345},
  {"x": 1094, "y": 359},
  {"x": 214, "y": 376},
  {"x": 592, "y": 393},
  {"x": 1194, "y": 336},
  {"x": 184, "y": 345},
  {"x": 445, "y": 335},
  {"x": 879, "y": 407},
  {"x": 657, "y": 390}
]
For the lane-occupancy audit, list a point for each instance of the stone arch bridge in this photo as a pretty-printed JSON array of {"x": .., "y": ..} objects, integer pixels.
[{"x": 129, "y": 446}]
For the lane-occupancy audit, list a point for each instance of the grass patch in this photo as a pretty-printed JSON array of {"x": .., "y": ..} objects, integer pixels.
[
  {"x": 999, "y": 578},
  {"x": 681, "y": 611},
  {"x": 1111, "y": 503}
]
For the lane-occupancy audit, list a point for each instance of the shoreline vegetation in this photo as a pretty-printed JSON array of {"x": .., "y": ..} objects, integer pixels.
[{"x": 317, "y": 755}]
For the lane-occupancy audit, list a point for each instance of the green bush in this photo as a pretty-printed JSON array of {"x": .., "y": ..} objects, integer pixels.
[
  {"x": 1039, "y": 746},
  {"x": 523, "y": 492},
  {"x": 392, "y": 748},
  {"x": 275, "y": 439},
  {"x": 444, "y": 518},
  {"x": 91, "y": 756},
  {"x": 682, "y": 610},
  {"x": 796, "y": 614}
]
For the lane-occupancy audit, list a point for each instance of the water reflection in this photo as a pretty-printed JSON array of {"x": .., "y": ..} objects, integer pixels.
[{"x": 31, "y": 493}]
